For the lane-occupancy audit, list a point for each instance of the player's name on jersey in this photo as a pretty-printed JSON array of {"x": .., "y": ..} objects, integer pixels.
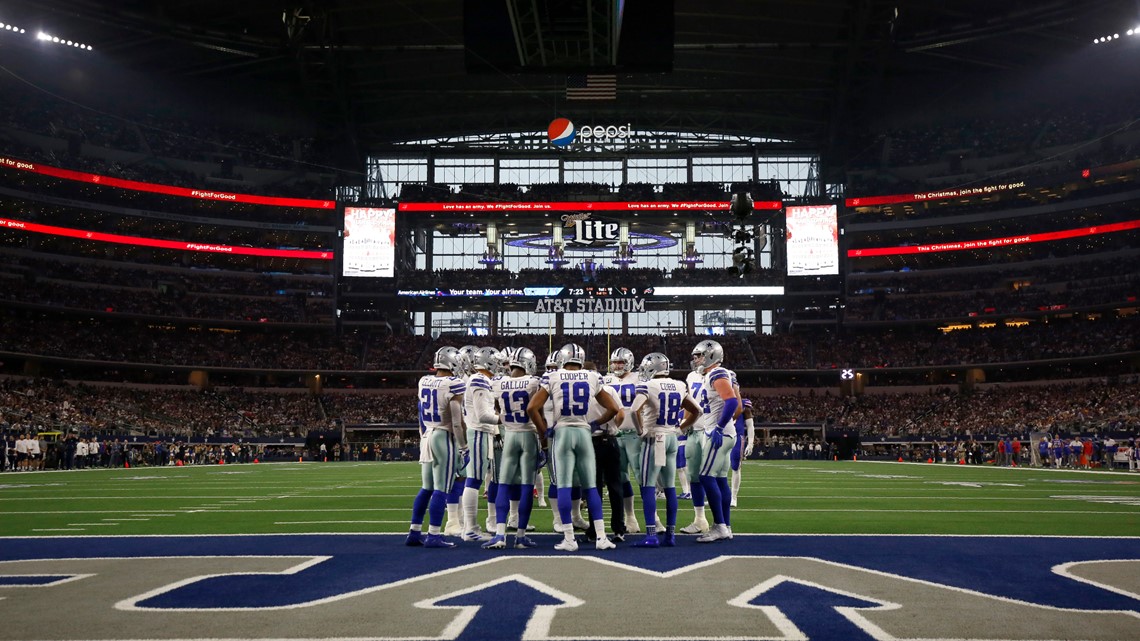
[{"x": 582, "y": 305}]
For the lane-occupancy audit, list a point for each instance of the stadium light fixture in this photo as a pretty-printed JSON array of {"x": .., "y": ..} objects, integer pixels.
[
  {"x": 11, "y": 27},
  {"x": 47, "y": 37}
]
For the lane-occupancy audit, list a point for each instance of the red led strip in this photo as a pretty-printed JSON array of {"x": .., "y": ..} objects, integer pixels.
[
  {"x": 991, "y": 243},
  {"x": 169, "y": 190},
  {"x": 164, "y": 244}
]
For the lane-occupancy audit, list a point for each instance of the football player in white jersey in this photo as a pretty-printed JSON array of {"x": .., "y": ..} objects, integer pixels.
[
  {"x": 742, "y": 449},
  {"x": 717, "y": 440},
  {"x": 694, "y": 382},
  {"x": 482, "y": 425},
  {"x": 521, "y": 455},
  {"x": 657, "y": 410},
  {"x": 576, "y": 491},
  {"x": 623, "y": 380},
  {"x": 572, "y": 389},
  {"x": 455, "y": 526},
  {"x": 442, "y": 442}
]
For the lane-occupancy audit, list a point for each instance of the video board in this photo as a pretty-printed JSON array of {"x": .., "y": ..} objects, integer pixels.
[
  {"x": 369, "y": 242},
  {"x": 813, "y": 240}
]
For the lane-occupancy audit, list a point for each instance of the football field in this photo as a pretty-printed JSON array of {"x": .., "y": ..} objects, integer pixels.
[
  {"x": 824, "y": 497},
  {"x": 823, "y": 550}
]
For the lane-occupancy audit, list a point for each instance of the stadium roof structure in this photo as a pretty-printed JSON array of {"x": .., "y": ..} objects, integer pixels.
[{"x": 388, "y": 70}]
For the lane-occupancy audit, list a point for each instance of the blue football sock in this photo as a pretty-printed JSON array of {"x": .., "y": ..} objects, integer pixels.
[
  {"x": 626, "y": 490},
  {"x": 698, "y": 493},
  {"x": 594, "y": 504},
  {"x": 671, "y": 508},
  {"x": 420, "y": 506},
  {"x": 502, "y": 503},
  {"x": 565, "y": 498},
  {"x": 526, "y": 504},
  {"x": 649, "y": 505},
  {"x": 437, "y": 508},
  {"x": 712, "y": 492},
  {"x": 726, "y": 499}
]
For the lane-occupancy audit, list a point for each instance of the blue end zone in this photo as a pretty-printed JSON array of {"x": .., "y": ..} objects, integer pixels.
[{"x": 1012, "y": 567}]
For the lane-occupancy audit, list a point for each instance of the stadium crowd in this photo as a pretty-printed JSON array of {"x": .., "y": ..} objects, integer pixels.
[
  {"x": 107, "y": 340},
  {"x": 911, "y": 424}
]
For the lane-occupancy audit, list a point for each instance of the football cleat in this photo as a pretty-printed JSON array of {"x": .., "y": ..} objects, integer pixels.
[
  {"x": 717, "y": 533},
  {"x": 698, "y": 526},
  {"x": 732, "y": 503},
  {"x": 728, "y": 528},
  {"x": 581, "y": 524},
  {"x": 415, "y": 538},
  {"x": 513, "y": 524},
  {"x": 687, "y": 496},
  {"x": 618, "y": 537},
  {"x": 669, "y": 540},
  {"x": 631, "y": 526},
  {"x": 475, "y": 535},
  {"x": 497, "y": 542},
  {"x": 453, "y": 528},
  {"x": 437, "y": 541},
  {"x": 604, "y": 544},
  {"x": 566, "y": 545},
  {"x": 524, "y": 543},
  {"x": 650, "y": 541}
]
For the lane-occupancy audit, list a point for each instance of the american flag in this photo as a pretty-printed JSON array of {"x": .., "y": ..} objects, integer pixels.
[{"x": 591, "y": 87}]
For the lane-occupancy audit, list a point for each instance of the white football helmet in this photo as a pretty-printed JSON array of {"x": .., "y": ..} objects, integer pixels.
[
  {"x": 571, "y": 354},
  {"x": 486, "y": 358},
  {"x": 654, "y": 364},
  {"x": 466, "y": 353},
  {"x": 524, "y": 358},
  {"x": 621, "y": 361},
  {"x": 552, "y": 361},
  {"x": 504, "y": 361},
  {"x": 706, "y": 354},
  {"x": 446, "y": 358}
]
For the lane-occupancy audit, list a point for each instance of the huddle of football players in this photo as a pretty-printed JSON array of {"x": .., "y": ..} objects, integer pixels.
[{"x": 486, "y": 415}]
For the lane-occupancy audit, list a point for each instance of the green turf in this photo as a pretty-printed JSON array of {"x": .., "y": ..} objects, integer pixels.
[{"x": 776, "y": 497}]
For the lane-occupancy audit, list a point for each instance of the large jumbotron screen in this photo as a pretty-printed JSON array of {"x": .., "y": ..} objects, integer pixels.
[
  {"x": 813, "y": 240},
  {"x": 369, "y": 242}
]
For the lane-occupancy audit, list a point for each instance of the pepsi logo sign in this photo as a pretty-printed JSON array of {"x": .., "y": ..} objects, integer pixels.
[{"x": 561, "y": 132}]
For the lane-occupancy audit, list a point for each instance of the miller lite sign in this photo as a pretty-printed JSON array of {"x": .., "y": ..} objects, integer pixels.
[{"x": 594, "y": 233}]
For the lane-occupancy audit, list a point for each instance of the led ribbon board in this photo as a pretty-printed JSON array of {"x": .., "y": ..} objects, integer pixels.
[
  {"x": 167, "y": 190},
  {"x": 180, "y": 245}
]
